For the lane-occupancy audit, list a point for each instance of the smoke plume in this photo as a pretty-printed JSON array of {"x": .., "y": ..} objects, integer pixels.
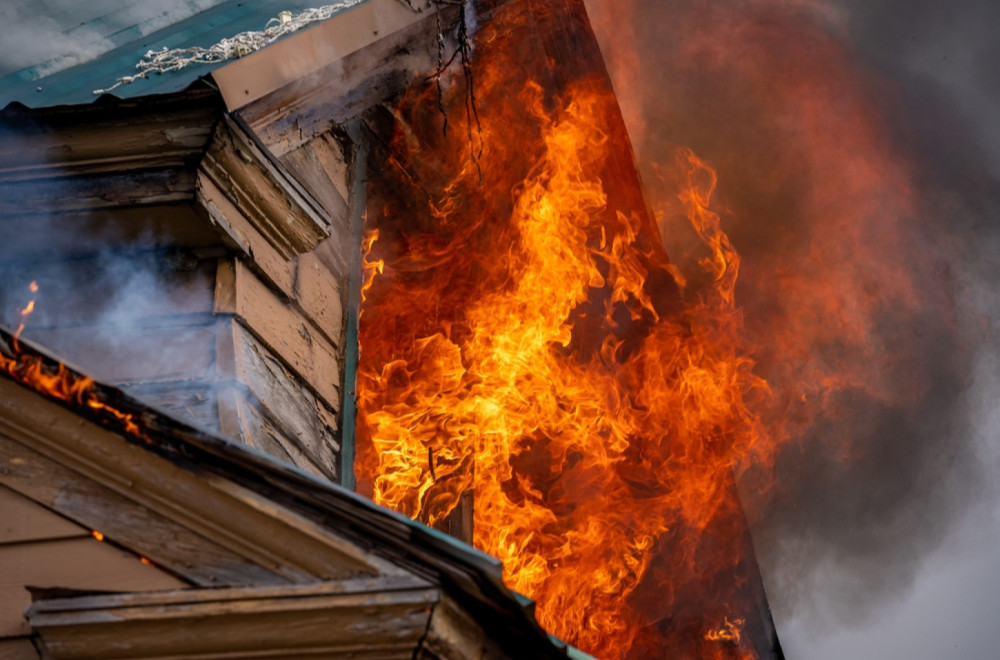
[{"x": 856, "y": 147}]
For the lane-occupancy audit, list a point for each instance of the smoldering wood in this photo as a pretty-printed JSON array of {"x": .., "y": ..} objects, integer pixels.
[{"x": 195, "y": 400}]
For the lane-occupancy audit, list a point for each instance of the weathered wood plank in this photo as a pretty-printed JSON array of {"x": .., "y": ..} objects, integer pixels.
[
  {"x": 95, "y": 506},
  {"x": 350, "y": 69},
  {"x": 83, "y": 563},
  {"x": 454, "y": 635},
  {"x": 275, "y": 413},
  {"x": 24, "y": 520},
  {"x": 263, "y": 192},
  {"x": 17, "y": 648},
  {"x": 91, "y": 192},
  {"x": 270, "y": 537},
  {"x": 337, "y": 161},
  {"x": 318, "y": 294},
  {"x": 170, "y": 130},
  {"x": 282, "y": 327},
  {"x": 386, "y": 623},
  {"x": 243, "y": 237},
  {"x": 195, "y": 401},
  {"x": 307, "y": 166}
]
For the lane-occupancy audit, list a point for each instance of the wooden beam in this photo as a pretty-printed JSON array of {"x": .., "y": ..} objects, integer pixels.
[
  {"x": 153, "y": 133},
  {"x": 96, "y": 192},
  {"x": 260, "y": 188},
  {"x": 301, "y": 87},
  {"x": 353, "y": 619}
]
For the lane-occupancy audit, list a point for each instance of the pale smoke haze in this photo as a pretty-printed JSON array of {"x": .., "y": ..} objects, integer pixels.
[{"x": 58, "y": 34}]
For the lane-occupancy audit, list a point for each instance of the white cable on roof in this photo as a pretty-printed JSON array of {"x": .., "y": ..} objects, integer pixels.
[{"x": 244, "y": 43}]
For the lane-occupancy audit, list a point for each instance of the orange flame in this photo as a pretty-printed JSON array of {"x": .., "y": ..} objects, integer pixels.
[
  {"x": 62, "y": 384},
  {"x": 729, "y": 632},
  {"x": 524, "y": 340}
]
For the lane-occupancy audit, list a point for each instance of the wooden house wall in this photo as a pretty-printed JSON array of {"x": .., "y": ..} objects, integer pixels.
[
  {"x": 235, "y": 337},
  {"x": 39, "y": 548}
]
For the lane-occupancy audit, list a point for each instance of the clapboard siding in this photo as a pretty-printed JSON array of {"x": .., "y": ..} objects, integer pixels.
[{"x": 74, "y": 563}]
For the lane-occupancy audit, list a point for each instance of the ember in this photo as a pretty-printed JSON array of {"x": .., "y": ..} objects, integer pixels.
[{"x": 524, "y": 338}]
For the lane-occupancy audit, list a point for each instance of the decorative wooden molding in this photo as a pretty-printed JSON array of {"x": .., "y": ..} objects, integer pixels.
[
  {"x": 167, "y": 132},
  {"x": 264, "y": 193},
  {"x": 383, "y": 618}
]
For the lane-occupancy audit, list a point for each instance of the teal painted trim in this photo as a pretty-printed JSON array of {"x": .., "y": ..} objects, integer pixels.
[{"x": 359, "y": 199}]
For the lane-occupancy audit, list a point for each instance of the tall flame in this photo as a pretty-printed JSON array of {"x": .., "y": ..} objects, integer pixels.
[{"x": 523, "y": 338}]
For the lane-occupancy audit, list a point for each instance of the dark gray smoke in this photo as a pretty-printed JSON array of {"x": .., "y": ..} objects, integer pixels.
[{"x": 858, "y": 156}]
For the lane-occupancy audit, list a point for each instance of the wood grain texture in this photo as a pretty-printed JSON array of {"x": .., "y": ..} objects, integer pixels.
[
  {"x": 282, "y": 327},
  {"x": 263, "y": 192},
  {"x": 21, "y": 519},
  {"x": 92, "y": 505},
  {"x": 82, "y": 563},
  {"x": 268, "y": 538},
  {"x": 378, "y": 620},
  {"x": 242, "y": 237}
]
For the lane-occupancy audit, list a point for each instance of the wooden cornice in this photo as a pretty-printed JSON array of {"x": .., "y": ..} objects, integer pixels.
[
  {"x": 152, "y": 151},
  {"x": 169, "y": 131},
  {"x": 302, "y": 86},
  {"x": 260, "y": 188},
  {"x": 377, "y": 618}
]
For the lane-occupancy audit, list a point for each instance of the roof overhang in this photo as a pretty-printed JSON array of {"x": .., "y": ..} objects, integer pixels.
[{"x": 215, "y": 513}]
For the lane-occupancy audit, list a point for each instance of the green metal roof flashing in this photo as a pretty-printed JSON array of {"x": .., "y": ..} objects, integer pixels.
[{"x": 76, "y": 84}]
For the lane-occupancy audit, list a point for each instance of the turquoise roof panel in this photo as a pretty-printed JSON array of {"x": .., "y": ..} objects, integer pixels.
[{"x": 76, "y": 85}]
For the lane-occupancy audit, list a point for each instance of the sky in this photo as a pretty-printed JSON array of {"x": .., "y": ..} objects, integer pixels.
[{"x": 928, "y": 587}]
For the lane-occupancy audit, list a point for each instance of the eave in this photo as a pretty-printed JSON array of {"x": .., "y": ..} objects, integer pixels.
[{"x": 214, "y": 513}]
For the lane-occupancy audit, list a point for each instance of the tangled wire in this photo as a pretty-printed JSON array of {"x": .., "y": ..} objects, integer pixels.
[{"x": 244, "y": 43}]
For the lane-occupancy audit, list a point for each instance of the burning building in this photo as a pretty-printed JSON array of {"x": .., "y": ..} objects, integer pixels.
[{"x": 406, "y": 250}]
